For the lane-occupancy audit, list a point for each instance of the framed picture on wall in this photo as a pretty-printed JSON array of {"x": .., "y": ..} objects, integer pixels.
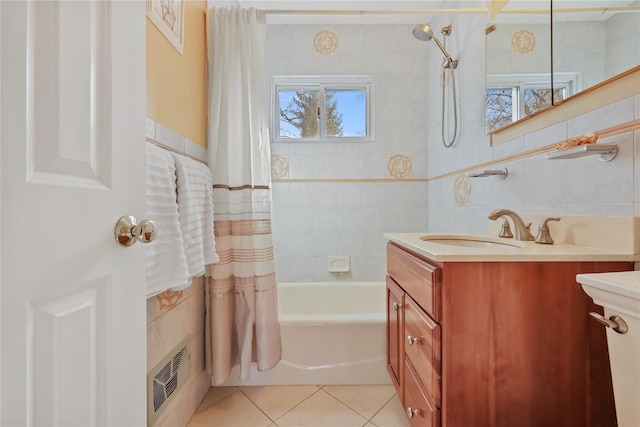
[{"x": 168, "y": 16}]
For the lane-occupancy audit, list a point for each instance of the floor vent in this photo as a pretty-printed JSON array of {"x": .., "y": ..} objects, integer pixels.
[{"x": 166, "y": 378}]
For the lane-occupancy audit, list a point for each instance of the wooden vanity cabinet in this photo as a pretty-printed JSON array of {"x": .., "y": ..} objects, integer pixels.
[{"x": 497, "y": 343}]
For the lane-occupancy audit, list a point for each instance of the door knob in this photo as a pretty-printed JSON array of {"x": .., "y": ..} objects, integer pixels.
[{"x": 127, "y": 232}]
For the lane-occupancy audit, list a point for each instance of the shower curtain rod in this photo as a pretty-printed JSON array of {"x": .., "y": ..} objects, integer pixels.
[
  {"x": 444, "y": 11},
  {"x": 371, "y": 12},
  {"x": 575, "y": 10}
]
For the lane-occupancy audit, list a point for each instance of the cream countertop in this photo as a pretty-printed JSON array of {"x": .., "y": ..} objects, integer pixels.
[{"x": 526, "y": 251}]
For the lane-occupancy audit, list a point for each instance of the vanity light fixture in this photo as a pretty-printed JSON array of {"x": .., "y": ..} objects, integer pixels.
[{"x": 605, "y": 152}]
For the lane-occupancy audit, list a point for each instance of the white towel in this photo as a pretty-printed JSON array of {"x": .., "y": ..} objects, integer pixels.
[
  {"x": 195, "y": 207},
  {"x": 166, "y": 260}
]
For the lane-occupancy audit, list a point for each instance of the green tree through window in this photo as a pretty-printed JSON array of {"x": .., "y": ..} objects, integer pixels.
[
  {"x": 302, "y": 111},
  {"x": 322, "y": 109}
]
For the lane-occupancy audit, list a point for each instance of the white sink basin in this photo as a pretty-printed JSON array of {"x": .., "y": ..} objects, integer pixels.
[{"x": 469, "y": 241}]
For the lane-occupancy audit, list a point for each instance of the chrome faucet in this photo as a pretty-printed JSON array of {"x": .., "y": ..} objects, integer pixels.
[{"x": 522, "y": 229}]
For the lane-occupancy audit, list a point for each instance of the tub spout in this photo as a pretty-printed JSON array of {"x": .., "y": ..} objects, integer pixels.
[{"x": 522, "y": 229}]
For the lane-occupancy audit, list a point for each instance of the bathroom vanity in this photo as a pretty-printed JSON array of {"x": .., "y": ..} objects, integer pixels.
[{"x": 497, "y": 336}]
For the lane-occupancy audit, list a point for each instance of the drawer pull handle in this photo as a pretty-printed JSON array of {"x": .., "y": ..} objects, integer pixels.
[
  {"x": 396, "y": 306},
  {"x": 616, "y": 323},
  {"x": 411, "y": 340},
  {"x": 412, "y": 412}
]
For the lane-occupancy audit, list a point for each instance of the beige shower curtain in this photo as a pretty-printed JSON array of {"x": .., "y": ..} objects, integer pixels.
[{"x": 241, "y": 290}]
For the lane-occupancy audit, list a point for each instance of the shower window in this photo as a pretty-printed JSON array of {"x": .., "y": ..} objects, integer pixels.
[
  {"x": 322, "y": 108},
  {"x": 514, "y": 96}
]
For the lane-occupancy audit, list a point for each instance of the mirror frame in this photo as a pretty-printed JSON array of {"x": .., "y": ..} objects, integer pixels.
[{"x": 619, "y": 87}]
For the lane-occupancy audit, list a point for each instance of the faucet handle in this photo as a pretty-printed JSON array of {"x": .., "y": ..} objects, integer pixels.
[
  {"x": 505, "y": 231},
  {"x": 544, "y": 237}
]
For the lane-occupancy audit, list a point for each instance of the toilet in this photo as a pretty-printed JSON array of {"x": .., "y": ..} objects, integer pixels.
[{"x": 619, "y": 294}]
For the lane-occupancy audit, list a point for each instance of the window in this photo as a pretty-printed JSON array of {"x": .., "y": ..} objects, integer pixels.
[
  {"x": 322, "y": 108},
  {"x": 510, "y": 97}
]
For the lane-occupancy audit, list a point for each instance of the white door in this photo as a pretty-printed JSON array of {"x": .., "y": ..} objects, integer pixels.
[{"x": 72, "y": 162}]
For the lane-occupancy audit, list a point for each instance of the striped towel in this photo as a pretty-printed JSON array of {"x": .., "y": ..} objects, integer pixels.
[
  {"x": 166, "y": 261},
  {"x": 195, "y": 207}
]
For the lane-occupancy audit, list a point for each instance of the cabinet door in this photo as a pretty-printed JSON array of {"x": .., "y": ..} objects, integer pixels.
[{"x": 395, "y": 326}]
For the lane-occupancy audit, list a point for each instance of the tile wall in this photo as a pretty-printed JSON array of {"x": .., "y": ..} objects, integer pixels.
[
  {"x": 353, "y": 198},
  {"x": 535, "y": 184},
  {"x": 172, "y": 315}
]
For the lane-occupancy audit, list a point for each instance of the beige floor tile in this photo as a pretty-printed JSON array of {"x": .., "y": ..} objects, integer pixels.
[
  {"x": 276, "y": 400},
  {"x": 215, "y": 394},
  {"x": 391, "y": 415},
  {"x": 234, "y": 411},
  {"x": 364, "y": 399},
  {"x": 321, "y": 410}
]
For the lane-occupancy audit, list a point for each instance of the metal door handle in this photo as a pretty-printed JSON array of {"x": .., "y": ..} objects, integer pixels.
[
  {"x": 411, "y": 340},
  {"x": 616, "y": 323},
  {"x": 127, "y": 232},
  {"x": 396, "y": 306}
]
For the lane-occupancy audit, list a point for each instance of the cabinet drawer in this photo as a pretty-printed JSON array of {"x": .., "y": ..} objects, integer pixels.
[
  {"x": 422, "y": 347},
  {"x": 425, "y": 413},
  {"x": 419, "y": 279}
]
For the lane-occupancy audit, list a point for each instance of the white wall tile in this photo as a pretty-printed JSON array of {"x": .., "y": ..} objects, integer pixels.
[
  {"x": 592, "y": 181},
  {"x": 549, "y": 135},
  {"x": 170, "y": 138},
  {"x": 150, "y": 128},
  {"x": 408, "y": 121},
  {"x": 196, "y": 150}
]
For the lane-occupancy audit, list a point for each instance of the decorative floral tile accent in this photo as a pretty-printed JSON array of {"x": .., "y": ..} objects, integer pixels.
[
  {"x": 169, "y": 299},
  {"x": 523, "y": 41},
  {"x": 279, "y": 166},
  {"x": 399, "y": 166},
  {"x": 326, "y": 42},
  {"x": 462, "y": 190}
]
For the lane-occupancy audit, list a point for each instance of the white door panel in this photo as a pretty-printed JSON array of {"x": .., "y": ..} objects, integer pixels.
[{"x": 72, "y": 152}]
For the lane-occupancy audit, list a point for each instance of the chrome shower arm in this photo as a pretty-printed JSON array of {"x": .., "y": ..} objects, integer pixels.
[{"x": 452, "y": 62}]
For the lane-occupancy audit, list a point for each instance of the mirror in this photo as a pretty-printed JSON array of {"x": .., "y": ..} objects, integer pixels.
[{"x": 593, "y": 40}]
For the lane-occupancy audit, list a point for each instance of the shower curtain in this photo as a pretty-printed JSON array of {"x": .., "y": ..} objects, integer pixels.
[{"x": 241, "y": 290}]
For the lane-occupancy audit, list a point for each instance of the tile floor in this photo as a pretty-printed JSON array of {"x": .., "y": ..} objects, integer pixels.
[{"x": 301, "y": 406}]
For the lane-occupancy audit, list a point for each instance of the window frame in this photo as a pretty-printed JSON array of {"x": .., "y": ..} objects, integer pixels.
[
  {"x": 569, "y": 82},
  {"x": 323, "y": 83}
]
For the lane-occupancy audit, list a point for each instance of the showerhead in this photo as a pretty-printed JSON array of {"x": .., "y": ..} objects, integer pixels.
[{"x": 423, "y": 32}]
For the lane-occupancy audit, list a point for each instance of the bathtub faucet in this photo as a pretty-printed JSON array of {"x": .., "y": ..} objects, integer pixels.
[{"x": 522, "y": 229}]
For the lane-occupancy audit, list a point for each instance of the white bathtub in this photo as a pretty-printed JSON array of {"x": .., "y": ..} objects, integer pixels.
[{"x": 332, "y": 333}]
